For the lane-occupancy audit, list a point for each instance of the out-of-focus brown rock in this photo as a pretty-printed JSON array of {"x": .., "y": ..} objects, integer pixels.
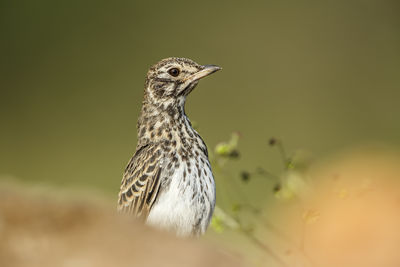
[{"x": 41, "y": 230}]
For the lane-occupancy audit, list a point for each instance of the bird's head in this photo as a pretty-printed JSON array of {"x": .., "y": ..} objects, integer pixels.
[{"x": 172, "y": 79}]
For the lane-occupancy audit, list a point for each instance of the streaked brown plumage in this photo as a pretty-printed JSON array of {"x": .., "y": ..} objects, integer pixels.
[{"x": 169, "y": 181}]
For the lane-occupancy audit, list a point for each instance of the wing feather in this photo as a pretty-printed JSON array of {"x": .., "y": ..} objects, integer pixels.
[{"x": 141, "y": 181}]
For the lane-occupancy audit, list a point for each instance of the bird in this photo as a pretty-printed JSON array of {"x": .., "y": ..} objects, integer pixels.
[{"x": 169, "y": 182}]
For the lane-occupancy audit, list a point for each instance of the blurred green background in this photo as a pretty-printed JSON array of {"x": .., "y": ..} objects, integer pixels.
[{"x": 321, "y": 75}]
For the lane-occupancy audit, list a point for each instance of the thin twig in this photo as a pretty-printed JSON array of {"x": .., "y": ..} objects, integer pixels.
[{"x": 265, "y": 248}]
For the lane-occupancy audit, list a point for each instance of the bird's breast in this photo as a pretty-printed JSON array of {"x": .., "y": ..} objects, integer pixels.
[{"x": 186, "y": 202}]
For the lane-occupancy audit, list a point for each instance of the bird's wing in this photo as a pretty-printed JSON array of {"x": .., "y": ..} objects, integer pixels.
[{"x": 141, "y": 181}]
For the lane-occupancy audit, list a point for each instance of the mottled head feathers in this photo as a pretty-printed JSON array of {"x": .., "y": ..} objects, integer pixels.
[{"x": 172, "y": 79}]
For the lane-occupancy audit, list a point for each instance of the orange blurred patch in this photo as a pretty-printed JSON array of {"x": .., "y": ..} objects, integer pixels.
[{"x": 357, "y": 199}]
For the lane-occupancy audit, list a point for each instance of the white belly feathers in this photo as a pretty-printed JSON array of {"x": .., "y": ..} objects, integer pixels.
[{"x": 186, "y": 205}]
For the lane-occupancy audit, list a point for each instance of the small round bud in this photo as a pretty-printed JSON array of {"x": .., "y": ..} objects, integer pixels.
[
  {"x": 234, "y": 154},
  {"x": 245, "y": 176},
  {"x": 272, "y": 141},
  {"x": 277, "y": 188}
]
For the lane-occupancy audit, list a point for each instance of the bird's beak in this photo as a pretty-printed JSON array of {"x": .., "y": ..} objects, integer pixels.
[{"x": 205, "y": 71}]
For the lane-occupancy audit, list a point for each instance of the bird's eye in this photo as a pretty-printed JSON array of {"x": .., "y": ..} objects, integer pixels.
[{"x": 174, "y": 72}]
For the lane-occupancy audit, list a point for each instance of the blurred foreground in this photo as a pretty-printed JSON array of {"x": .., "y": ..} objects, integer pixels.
[
  {"x": 356, "y": 202},
  {"x": 45, "y": 230},
  {"x": 343, "y": 211},
  {"x": 338, "y": 211}
]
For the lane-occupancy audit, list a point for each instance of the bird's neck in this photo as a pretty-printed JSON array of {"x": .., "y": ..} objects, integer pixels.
[{"x": 162, "y": 122}]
